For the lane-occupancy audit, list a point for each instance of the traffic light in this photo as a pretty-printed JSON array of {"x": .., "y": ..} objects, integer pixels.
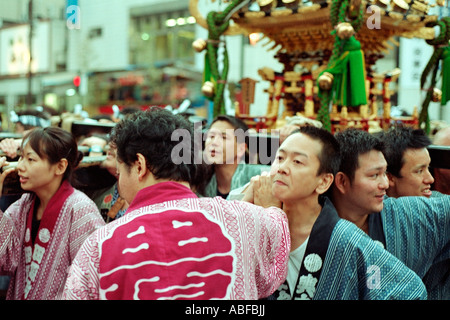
[{"x": 77, "y": 82}]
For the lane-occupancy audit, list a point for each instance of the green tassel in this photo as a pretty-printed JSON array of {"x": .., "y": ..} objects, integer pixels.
[
  {"x": 208, "y": 76},
  {"x": 445, "y": 76},
  {"x": 218, "y": 23},
  {"x": 349, "y": 85}
]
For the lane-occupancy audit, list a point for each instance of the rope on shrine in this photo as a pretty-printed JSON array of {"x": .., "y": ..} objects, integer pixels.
[
  {"x": 218, "y": 23},
  {"x": 441, "y": 53},
  {"x": 338, "y": 14}
]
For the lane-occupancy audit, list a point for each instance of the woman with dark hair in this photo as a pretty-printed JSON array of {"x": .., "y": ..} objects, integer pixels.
[{"x": 41, "y": 232}]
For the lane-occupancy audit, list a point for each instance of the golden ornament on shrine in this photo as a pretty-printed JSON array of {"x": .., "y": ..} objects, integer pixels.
[
  {"x": 344, "y": 30},
  {"x": 326, "y": 81},
  {"x": 199, "y": 45},
  {"x": 208, "y": 89},
  {"x": 437, "y": 95},
  {"x": 267, "y": 5}
]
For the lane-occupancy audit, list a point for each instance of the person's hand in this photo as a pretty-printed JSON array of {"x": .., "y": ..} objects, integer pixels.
[
  {"x": 248, "y": 193},
  {"x": 9, "y": 146},
  {"x": 4, "y": 163},
  {"x": 110, "y": 162},
  {"x": 96, "y": 145},
  {"x": 286, "y": 131},
  {"x": 262, "y": 191},
  {"x": 259, "y": 191},
  {"x": 94, "y": 141}
]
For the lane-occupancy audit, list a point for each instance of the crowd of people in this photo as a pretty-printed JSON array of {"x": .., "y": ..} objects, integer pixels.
[{"x": 338, "y": 216}]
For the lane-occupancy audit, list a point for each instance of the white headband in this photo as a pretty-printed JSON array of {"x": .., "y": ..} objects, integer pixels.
[{"x": 29, "y": 120}]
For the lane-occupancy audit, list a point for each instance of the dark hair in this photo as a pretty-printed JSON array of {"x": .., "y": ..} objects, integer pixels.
[
  {"x": 329, "y": 156},
  {"x": 125, "y": 112},
  {"x": 34, "y": 112},
  {"x": 353, "y": 143},
  {"x": 150, "y": 134},
  {"x": 54, "y": 144},
  {"x": 236, "y": 123},
  {"x": 397, "y": 140}
]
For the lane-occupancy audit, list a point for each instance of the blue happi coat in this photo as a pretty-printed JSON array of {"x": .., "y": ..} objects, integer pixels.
[
  {"x": 417, "y": 231},
  {"x": 342, "y": 262}
]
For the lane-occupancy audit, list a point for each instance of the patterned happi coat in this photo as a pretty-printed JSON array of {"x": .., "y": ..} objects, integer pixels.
[
  {"x": 173, "y": 245},
  {"x": 39, "y": 267},
  {"x": 342, "y": 263}
]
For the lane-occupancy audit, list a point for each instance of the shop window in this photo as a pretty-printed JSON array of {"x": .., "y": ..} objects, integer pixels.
[{"x": 162, "y": 38}]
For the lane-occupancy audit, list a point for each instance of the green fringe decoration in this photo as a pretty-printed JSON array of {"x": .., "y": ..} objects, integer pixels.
[
  {"x": 445, "y": 56},
  {"x": 349, "y": 75},
  {"x": 441, "y": 53},
  {"x": 217, "y": 25}
]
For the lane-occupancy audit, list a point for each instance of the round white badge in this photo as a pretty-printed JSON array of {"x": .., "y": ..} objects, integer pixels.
[
  {"x": 313, "y": 262},
  {"x": 44, "y": 235}
]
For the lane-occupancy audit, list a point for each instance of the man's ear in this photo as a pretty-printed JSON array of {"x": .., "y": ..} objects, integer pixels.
[
  {"x": 341, "y": 182},
  {"x": 325, "y": 183},
  {"x": 141, "y": 166},
  {"x": 61, "y": 166},
  {"x": 391, "y": 179}
]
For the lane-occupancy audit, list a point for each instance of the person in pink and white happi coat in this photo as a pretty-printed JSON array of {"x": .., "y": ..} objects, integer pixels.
[
  {"x": 171, "y": 244},
  {"x": 40, "y": 233}
]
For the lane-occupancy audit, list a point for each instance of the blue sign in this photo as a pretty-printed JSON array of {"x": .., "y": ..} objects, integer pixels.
[{"x": 73, "y": 14}]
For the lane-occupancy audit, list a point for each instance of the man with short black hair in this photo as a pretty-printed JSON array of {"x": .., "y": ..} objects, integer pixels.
[
  {"x": 330, "y": 258},
  {"x": 414, "y": 229},
  {"x": 172, "y": 244},
  {"x": 225, "y": 150},
  {"x": 408, "y": 162}
]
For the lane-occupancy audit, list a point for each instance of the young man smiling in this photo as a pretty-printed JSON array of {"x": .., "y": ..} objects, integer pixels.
[
  {"x": 408, "y": 162},
  {"x": 414, "y": 229},
  {"x": 361, "y": 183}
]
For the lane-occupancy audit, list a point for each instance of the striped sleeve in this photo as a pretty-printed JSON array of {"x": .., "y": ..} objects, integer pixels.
[
  {"x": 356, "y": 267},
  {"x": 415, "y": 223}
]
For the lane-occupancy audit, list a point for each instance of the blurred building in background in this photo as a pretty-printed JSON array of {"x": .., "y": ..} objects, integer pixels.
[
  {"x": 129, "y": 53},
  {"x": 139, "y": 53},
  {"x": 49, "y": 50},
  {"x": 135, "y": 53}
]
